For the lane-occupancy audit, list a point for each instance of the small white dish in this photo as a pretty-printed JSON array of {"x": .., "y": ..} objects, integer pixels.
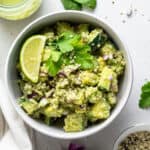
[{"x": 130, "y": 130}]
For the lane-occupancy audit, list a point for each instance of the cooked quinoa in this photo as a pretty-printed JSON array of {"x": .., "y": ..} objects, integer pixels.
[
  {"x": 136, "y": 141},
  {"x": 84, "y": 89}
]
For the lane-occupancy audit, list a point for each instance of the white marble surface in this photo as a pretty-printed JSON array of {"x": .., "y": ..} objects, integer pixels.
[{"x": 136, "y": 33}]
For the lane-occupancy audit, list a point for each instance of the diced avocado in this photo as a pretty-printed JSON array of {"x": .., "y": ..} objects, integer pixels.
[
  {"x": 93, "y": 94},
  {"x": 83, "y": 28},
  {"x": 69, "y": 107},
  {"x": 97, "y": 39},
  {"x": 30, "y": 106},
  {"x": 46, "y": 54},
  {"x": 111, "y": 98},
  {"x": 98, "y": 42},
  {"x": 114, "y": 84},
  {"x": 75, "y": 122},
  {"x": 81, "y": 109},
  {"x": 101, "y": 63},
  {"x": 88, "y": 78},
  {"x": 27, "y": 88},
  {"x": 80, "y": 97},
  {"x": 117, "y": 63},
  {"x": 62, "y": 83},
  {"x": 76, "y": 97},
  {"x": 100, "y": 110},
  {"x": 54, "y": 102},
  {"x": 106, "y": 79},
  {"x": 94, "y": 33},
  {"x": 70, "y": 96},
  {"x": 83, "y": 31},
  {"x": 51, "y": 111},
  {"x": 118, "y": 68},
  {"x": 62, "y": 27},
  {"x": 67, "y": 70},
  {"x": 61, "y": 95},
  {"x": 108, "y": 49}
]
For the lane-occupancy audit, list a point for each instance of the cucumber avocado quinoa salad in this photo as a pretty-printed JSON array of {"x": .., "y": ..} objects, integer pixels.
[{"x": 69, "y": 74}]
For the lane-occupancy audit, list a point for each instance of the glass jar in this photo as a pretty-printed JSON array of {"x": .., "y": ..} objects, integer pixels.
[{"x": 18, "y": 9}]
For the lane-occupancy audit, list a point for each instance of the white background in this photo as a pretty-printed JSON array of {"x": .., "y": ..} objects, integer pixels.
[{"x": 135, "y": 32}]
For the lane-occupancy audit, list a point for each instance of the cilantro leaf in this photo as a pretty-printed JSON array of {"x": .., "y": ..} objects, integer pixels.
[
  {"x": 81, "y": 1},
  {"x": 75, "y": 40},
  {"x": 53, "y": 67},
  {"x": 68, "y": 49},
  {"x": 65, "y": 46},
  {"x": 55, "y": 55},
  {"x": 67, "y": 40},
  {"x": 86, "y": 61},
  {"x": 146, "y": 87},
  {"x": 66, "y": 35},
  {"x": 84, "y": 58},
  {"x": 145, "y": 96},
  {"x": 90, "y": 4},
  {"x": 71, "y": 5},
  {"x": 82, "y": 48}
]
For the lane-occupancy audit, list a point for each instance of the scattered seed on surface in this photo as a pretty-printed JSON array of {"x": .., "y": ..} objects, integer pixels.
[
  {"x": 135, "y": 10},
  {"x": 123, "y": 21},
  {"x": 142, "y": 14},
  {"x": 121, "y": 13},
  {"x": 130, "y": 12},
  {"x": 113, "y": 2}
]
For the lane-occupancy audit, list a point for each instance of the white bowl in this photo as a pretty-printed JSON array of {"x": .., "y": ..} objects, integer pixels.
[
  {"x": 11, "y": 73},
  {"x": 130, "y": 130}
]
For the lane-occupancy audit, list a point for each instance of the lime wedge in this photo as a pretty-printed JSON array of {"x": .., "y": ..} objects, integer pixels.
[{"x": 30, "y": 56}]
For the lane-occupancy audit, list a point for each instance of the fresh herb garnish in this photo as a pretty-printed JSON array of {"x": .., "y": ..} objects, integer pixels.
[
  {"x": 145, "y": 96},
  {"x": 53, "y": 67},
  {"x": 84, "y": 58},
  {"x": 79, "y": 4},
  {"x": 55, "y": 55},
  {"x": 82, "y": 1},
  {"x": 68, "y": 49},
  {"x": 71, "y": 5},
  {"x": 90, "y": 4},
  {"x": 66, "y": 41}
]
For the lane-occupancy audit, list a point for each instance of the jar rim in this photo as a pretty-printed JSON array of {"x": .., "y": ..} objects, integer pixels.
[{"x": 13, "y": 5}]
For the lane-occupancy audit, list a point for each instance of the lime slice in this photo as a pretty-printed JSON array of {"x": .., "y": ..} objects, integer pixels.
[{"x": 30, "y": 56}]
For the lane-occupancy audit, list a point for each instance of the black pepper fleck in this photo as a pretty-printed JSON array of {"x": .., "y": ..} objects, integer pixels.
[
  {"x": 113, "y": 2},
  {"x": 123, "y": 21}
]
